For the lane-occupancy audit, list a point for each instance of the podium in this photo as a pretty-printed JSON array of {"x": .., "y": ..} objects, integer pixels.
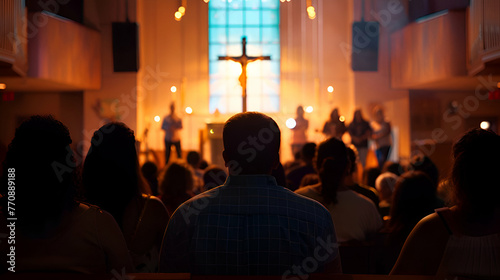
[{"x": 214, "y": 135}]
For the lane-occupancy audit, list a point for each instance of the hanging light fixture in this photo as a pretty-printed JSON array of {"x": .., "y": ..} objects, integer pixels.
[
  {"x": 180, "y": 11},
  {"x": 311, "y": 12}
]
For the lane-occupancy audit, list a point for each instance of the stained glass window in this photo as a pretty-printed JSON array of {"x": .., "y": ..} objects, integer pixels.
[{"x": 229, "y": 21}]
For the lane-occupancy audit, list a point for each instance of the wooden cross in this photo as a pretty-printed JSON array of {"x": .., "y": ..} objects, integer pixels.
[{"x": 244, "y": 59}]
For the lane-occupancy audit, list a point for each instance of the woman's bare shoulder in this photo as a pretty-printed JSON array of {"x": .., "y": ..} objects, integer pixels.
[{"x": 424, "y": 247}]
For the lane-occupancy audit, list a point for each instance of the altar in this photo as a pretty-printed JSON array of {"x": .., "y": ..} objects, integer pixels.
[{"x": 214, "y": 136}]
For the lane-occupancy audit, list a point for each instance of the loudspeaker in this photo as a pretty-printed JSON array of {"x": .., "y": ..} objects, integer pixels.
[
  {"x": 364, "y": 55},
  {"x": 125, "y": 46}
]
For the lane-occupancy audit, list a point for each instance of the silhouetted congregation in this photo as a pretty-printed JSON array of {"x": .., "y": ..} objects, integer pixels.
[{"x": 101, "y": 216}]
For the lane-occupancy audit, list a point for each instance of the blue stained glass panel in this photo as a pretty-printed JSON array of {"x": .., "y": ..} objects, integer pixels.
[
  {"x": 270, "y": 4},
  {"x": 252, "y": 17},
  {"x": 229, "y": 21},
  {"x": 217, "y": 35},
  {"x": 270, "y": 18},
  {"x": 235, "y": 18},
  {"x": 270, "y": 35},
  {"x": 215, "y": 51},
  {"x": 235, "y": 4},
  {"x": 253, "y": 35},
  {"x": 252, "y": 4},
  {"x": 218, "y": 17},
  {"x": 235, "y": 34},
  {"x": 218, "y": 4}
]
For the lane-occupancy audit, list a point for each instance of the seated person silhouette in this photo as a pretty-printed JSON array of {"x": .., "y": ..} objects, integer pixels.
[
  {"x": 53, "y": 231},
  {"x": 463, "y": 240},
  {"x": 250, "y": 225},
  {"x": 112, "y": 180}
]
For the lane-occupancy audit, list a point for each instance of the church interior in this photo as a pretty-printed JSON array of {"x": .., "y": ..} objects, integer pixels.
[{"x": 432, "y": 65}]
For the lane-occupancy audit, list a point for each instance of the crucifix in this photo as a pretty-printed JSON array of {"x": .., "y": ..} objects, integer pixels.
[{"x": 244, "y": 59}]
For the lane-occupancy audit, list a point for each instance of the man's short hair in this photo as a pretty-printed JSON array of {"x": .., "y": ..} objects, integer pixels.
[
  {"x": 251, "y": 143},
  {"x": 308, "y": 151}
]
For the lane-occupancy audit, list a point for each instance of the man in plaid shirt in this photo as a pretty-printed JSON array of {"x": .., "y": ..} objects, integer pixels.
[{"x": 250, "y": 225}]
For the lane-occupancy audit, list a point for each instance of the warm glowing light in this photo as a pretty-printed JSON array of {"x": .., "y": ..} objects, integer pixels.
[
  {"x": 498, "y": 85},
  {"x": 182, "y": 10},
  {"x": 311, "y": 12},
  {"x": 342, "y": 118},
  {"x": 173, "y": 89},
  {"x": 3, "y": 86},
  {"x": 178, "y": 15},
  {"x": 206, "y": 1},
  {"x": 157, "y": 118},
  {"x": 309, "y": 109},
  {"x": 290, "y": 123},
  {"x": 282, "y": 1},
  {"x": 211, "y": 131},
  {"x": 330, "y": 89},
  {"x": 485, "y": 125},
  {"x": 189, "y": 110}
]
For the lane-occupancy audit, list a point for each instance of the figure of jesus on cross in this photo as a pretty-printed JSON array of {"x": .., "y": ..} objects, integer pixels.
[{"x": 244, "y": 59}]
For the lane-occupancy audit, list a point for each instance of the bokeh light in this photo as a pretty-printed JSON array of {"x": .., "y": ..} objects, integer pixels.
[
  {"x": 485, "y": 125},
  {"x": 290, "y": 123}
]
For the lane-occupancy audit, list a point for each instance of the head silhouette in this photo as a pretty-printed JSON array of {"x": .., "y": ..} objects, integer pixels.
[
  {"x": 414, "y": 197},
  {"x": 177, "y": 180},
  {"x": 172, "y": 108},
  {"x": 193, "y": 158},
  {"x": 111, "y": 174},
  {"x": 251, "y": 144},
  {"x": 333, "y": 165},
  {"x": 300, "y": 111},
  {"x": 475, "y": 172},
  {"x": 334, "y": 115},
  {"x": 43, "y": 167},
  {"x": 308, "y": 152},
  {"x": 425, "y": 164},
  {"x": 358, "y": 116},
  {"x": 378, "y": 113}
]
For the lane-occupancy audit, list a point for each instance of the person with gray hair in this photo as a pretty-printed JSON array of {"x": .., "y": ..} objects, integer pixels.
[{"x": 385, "y": 184}]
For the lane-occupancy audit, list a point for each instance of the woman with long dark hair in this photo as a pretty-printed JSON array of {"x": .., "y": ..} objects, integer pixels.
[
  {"x": 355, "y": 217},
  {"x": 112, "y": 181},
  {"x": 53, "y": 232},
  {"x": 463, "y": 240}
]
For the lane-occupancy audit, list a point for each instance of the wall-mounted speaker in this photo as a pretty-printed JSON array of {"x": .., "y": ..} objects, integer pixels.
[
  {"x": 365, "y": 36},
  {"x": 125, "y": 46}
]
